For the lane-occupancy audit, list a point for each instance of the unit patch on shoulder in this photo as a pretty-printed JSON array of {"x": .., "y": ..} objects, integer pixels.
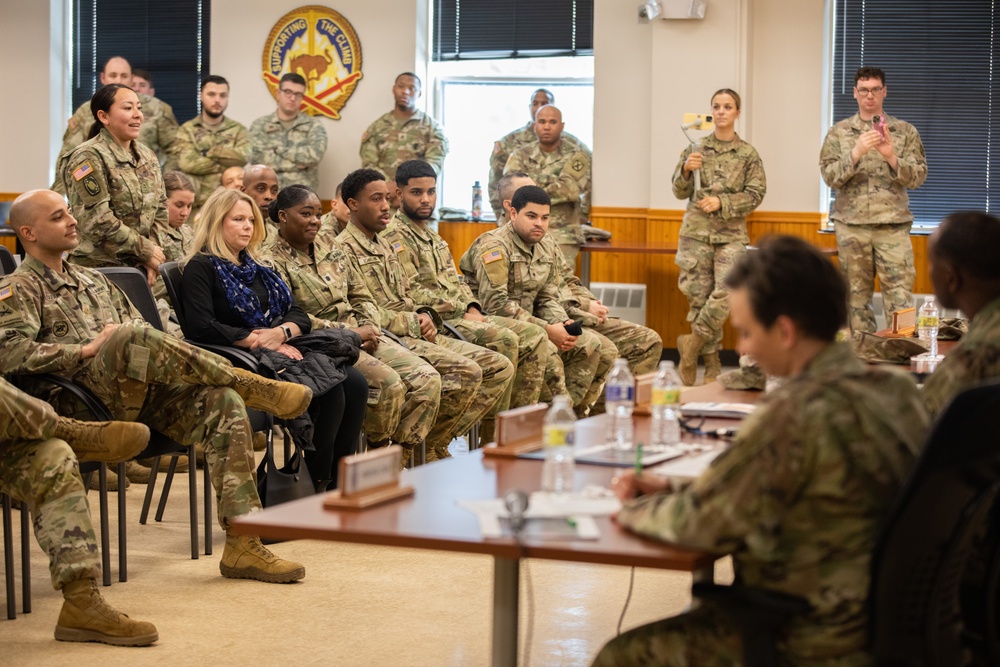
[
  {"x": 82, "y": 171},
  {"x": 491, "y": 256},
  {"x": 91, "y": 185}
]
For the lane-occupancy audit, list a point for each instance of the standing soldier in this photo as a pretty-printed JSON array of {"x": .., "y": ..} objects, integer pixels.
[
  {"x": 515, "y": 273},
  {"x": 473, "y": 379},
  {"x": 434, "y": 281},
  {"x": 289, "y": 141},
  {"x": 403, "y": 390},
  {"x": 405, "y": 133},
  {"x": 211, "y": 143},
  {"x": 714, "y": 232},
  {"x": 561, "y": 169},
  {"x": 159, "y": 126},
  {"x": 510, "y": 142},
  {"x": 871, "y": 213}
]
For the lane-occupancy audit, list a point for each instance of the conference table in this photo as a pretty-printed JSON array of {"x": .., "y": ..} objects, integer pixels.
[{"x": 432, "y": 519}]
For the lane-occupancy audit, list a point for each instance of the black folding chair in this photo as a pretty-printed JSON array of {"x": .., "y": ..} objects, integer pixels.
[
  {"x": 7, "y": 262},
  {"x": 8, "y": 556}
]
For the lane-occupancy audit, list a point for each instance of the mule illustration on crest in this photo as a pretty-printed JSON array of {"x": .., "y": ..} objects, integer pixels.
[{"x": 320, "y": 45}]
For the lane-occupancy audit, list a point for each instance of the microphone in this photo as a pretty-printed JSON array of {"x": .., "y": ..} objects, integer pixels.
[{"x": 516, "y": 502}]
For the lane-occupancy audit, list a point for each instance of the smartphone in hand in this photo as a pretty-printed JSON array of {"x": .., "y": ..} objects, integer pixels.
[{"x": 878, "y": 124}]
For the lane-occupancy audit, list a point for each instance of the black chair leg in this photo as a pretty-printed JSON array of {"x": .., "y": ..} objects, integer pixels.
[
  {"x": 122, "y": 527},
  {"x": 209, "y": 497},
  {"x": 150, "y": 487},
  {"x": 165, "y": 493},
  {"x": 8, "y": 555},
  {"x": 25, "y": 558},
  {"x": 193, "y": 502},
  {"x": 102, "y": 477}
]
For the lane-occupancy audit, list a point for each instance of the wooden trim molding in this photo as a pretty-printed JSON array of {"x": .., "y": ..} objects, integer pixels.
[{"x": 9, "y": 196}]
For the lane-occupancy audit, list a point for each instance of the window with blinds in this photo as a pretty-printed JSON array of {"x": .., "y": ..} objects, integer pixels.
[
  {"x": 493, "y": 29},
  {"x": 938, "y": 59},
  {"x": 168, "y": 39}
]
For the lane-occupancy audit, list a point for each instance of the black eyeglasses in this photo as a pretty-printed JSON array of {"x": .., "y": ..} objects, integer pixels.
[
  {"x": 718, "y": 433},
  {"x": 864, "y": 92}
]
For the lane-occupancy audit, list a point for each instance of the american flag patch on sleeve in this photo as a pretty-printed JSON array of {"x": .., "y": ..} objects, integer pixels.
[
  {"x": 82, "y": 171},
  {"x": 6, "y": 292},
  {"x": 397, "y": 246},
  {"x": 491, "y": 256}
]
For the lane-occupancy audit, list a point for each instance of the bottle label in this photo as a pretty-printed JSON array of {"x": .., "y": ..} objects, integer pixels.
[
  {"x": 557, "y": 435},
  {"x": 614, "y": 394},
  {"x": 666, "y": 396},
  {"x": 927, "y": 321}
]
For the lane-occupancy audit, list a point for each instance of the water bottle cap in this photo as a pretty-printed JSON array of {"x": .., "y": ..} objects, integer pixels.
[{"x": 666, "y": 364}]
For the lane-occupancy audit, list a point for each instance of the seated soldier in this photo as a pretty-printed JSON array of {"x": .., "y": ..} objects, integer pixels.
[
  {"x": 261, "y": 183},
  {"x": 473, "y": 379},
  {"x": 334, "y": 222},
  {"x": 514, "y": 271},
  {"x": 39, "y": 468},
  {"x": 403, "y": 389},
  {"x": 66, "y": 319},
  {"x": 966, "y": 275},
  {"x": 798, "y": 498}
]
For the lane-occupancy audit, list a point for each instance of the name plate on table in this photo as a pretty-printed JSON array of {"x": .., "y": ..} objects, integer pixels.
[
  {"x": 644, "y": 394},
  {"x": 518, "y": 431},
  {"x": 369, "y": 479},
  {"x": 904, "y": 323}
]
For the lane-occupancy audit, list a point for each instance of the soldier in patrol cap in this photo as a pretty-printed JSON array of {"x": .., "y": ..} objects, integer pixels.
[
  {"x": 60, "y": 318},
  {"x": 870, "y": 165},
  {"x": 289, "y": 141},
  {"x": 714, "y": 231},
  {"x": 159, "y": 126},
  {"x": 562, "y": 169},
  {"x": 510, "y": 142},
  {"x": 210, "y": 144},
  {"x": 405, "y": 133},
  {"x": 403, "y": 390},
  {"x": 115, "y": 187},
  {"x": 799, "y": 497},
  {"x": 38, "y": 466},
  {"x": 434, "y": 281},
  {"x": 515, "y": 272},
  {"x": 473, "y": 379}
]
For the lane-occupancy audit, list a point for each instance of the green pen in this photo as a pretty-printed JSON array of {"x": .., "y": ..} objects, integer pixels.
[
  {"x": 638, "y": 459},
  {"x": 571, "y": 521}
]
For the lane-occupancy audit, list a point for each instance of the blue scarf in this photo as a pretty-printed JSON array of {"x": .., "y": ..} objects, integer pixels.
[{"x": 237, "y": 281}]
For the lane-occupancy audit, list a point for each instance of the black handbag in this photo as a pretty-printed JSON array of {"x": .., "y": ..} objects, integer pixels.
[{"x": 290, "y": 482}]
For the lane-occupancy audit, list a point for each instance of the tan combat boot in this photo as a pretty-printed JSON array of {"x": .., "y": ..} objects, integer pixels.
[
  {"x": 102, "y": 441},
  {"x": 86, "y": 617},
  {"x": 689, "y": 345},
  {"x": 713, "y": 366},
  {"x": 246, "y": 558},
  {"x": 182, "y": 464},
  {"x": 95, "y": 481},
  {"x": 286, "y": 400}
]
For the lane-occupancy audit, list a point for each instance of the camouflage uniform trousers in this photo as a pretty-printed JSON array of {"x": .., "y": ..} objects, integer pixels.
[
  {"x": 42, "y": 473},
  {"x": 703, "y": 269},
  {"x": 555, "y": 375},
  {"x": 586, "y": 366},
  {"x": 142, "y": 374},
  {"x": 403, "y": 394},
  {"x": 864, "y": 250},
  {"x": 473, "y": 379},
  {"x": 639, "y": 345}
]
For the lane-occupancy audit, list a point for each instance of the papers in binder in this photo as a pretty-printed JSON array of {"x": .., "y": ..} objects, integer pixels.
[{"x": 722, "y": 410}]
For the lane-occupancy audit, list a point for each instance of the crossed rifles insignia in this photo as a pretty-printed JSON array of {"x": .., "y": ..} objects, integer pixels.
[{"x": 321, "y": 45}]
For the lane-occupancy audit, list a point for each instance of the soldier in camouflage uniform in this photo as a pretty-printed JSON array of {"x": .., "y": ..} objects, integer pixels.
[
  {"x": 434, "y": 281},
  {"x": 159, "y": 127},
  {"x": 174, "y": 238},
  {"x": 336, "y": 221},
  {"x": 261, "y": 183},
  {"x": 403, "y": 390},
  {"x": 39, "y": 468},
  {"x": 61, "y": 318},
  {"x": 405, "y": 133},
  {"x": 473, "y": 379},
  {"x": 510, "y": 142},
  {"x": 799, "y": 497},
  {"x": 514, "y": 271},
  {"x": 966, "y": 275},
  {"x": 870, "y": 213},
  {"x": 713, "y": 234},
  {"x": 290, "y": 142},
  {"x": 210, "y": 144},
  {"x": 562, "y": 169}
]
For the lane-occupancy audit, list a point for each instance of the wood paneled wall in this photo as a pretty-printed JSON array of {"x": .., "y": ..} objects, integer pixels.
[{"x": 666, "y": 307}]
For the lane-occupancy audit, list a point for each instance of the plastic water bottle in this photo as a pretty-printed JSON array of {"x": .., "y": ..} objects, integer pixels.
[
  {"x": 619, "y": 396},
  {"x": 477, "y": 201},
  {"x": 665, "y": 430},
  {"x": 559, "y": 432},
  {"x": 927, "y": 325}
]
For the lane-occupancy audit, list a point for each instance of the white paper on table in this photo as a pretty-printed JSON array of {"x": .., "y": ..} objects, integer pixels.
[
  {"x": 686, "y": 467},
  {"x": 545, "y": 505}
]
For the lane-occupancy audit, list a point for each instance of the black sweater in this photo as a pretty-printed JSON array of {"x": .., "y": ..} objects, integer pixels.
[{"x": 210, "y": 318}]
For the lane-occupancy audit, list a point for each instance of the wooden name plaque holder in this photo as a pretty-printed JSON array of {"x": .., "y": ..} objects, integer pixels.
[
  {"x": 518, "y": 431},
  {"x": 904, "y": 323},
  {"x": 369, "y": 479},
  {"x": 644, "y": 394}
]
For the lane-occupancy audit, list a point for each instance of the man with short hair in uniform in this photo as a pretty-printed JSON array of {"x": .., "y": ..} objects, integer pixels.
[
  {"x": 473, "y": 379},
  {"x": 563, "y": 170},
  {"x": 289, "y": 141},
  {"x": 261, "y": 183}
]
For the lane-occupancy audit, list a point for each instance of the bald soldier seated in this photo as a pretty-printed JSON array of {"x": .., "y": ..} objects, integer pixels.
[
  {"x": 70, "y": 320},
  {"x": 798, "y": 498}
]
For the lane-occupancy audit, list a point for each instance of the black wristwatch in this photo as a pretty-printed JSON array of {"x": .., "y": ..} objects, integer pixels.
[{"x": 288, "y": 331}]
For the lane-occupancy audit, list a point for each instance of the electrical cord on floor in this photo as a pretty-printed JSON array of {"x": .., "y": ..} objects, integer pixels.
[{"x": 628, "y": 598}]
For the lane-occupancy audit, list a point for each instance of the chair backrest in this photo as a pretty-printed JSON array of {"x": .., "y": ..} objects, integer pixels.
[
  {"x": 915, "y": 616},
  {"x": 7, "y": 262},
  {"x": 172, "y": 280},
  {"x": 133, "y": 283}
]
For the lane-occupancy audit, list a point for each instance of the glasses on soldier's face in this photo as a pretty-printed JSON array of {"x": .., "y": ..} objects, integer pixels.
[
  {"x": 865, "y": 92},
  {"x": 291, "y": 93}
]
